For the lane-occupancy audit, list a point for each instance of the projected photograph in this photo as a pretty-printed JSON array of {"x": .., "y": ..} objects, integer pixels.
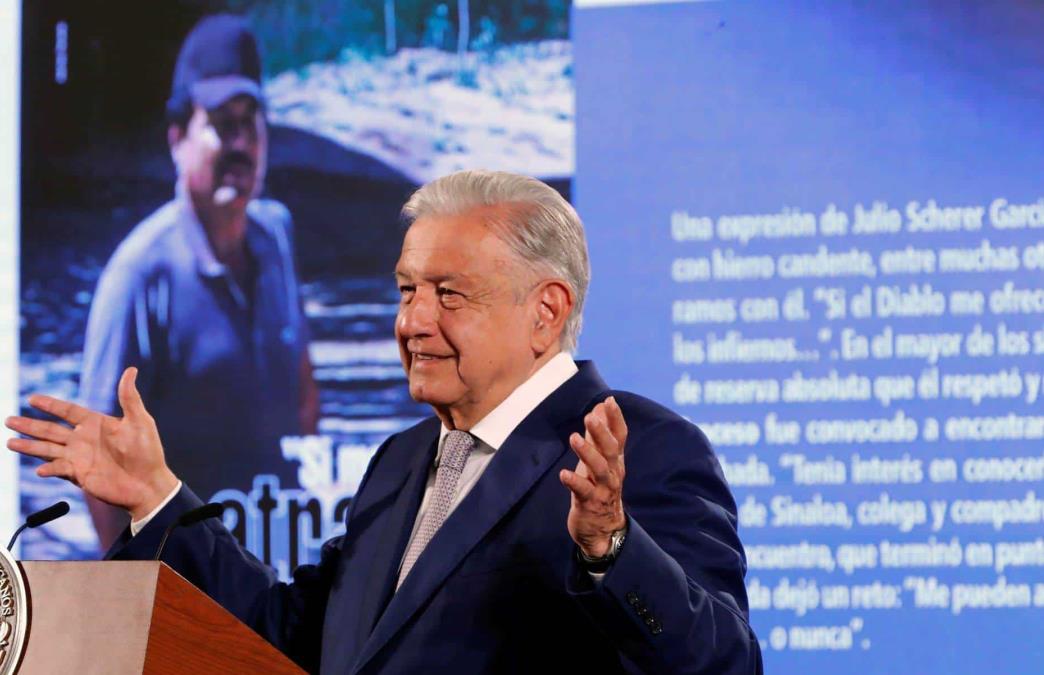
[
  {"x": 815, "y": 230},
  {"x": 235, "y": 243}
]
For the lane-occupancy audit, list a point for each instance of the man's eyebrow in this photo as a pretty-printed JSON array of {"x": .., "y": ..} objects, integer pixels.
[
  {"x": 224, "y": 111},
  {"x": 406, "y": 275}
]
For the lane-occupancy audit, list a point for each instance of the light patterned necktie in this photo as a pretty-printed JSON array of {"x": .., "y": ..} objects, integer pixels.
[{"x": 455, "y": 451}]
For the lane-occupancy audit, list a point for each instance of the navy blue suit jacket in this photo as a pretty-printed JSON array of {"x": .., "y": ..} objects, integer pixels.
[{"x": 498, "y": 589}]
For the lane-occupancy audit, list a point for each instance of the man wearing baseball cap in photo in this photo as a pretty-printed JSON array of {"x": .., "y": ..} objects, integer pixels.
[{"x": 202, "y": 296}]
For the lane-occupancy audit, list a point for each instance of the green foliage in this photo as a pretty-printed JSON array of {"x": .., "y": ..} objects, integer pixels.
[{"x": 294, "y": 33}]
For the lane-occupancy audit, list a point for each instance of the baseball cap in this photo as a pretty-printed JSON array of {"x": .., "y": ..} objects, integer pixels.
[{"x": 218, "y": 61}]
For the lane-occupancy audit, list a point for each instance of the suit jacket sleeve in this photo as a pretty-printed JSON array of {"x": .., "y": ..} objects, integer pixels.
[
  {"x": 674, "y": 600},
  {"x": 290, "y": 616}
]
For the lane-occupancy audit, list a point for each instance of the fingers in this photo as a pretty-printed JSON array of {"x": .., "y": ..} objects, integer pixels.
[
  {"x": 62, "y": 468},
  {"x": 615, "y": 419},
  {"x": 606, "y": 428},
  {"x": 600, "y": 451},
  {"x": 578, "y": 485},
  {"x": 41, "y": 449},
  {"x": 598, "y": 432},
  {"x": 130, "y": 398},
  {"x": 70, "y": 412},
  {"x": 40, "y": 429},
  {"x": 589, "y": 455}
]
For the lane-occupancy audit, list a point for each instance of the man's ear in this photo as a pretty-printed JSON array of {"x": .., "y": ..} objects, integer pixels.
[
  {"x": 554, "y": 303},
  {"x": 174, "y": 136}
]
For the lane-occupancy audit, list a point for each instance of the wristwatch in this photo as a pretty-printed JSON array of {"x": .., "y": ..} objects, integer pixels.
[{"x": 601, "y": 564}]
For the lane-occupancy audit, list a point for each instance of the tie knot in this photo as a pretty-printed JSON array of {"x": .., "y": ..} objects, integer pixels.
[{"x": 455, "y": 450}]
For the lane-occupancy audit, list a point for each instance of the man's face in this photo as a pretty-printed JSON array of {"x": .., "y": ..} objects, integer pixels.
[
  {"x": 465, "y": 317},
  {"x": 220, "y": 152}
]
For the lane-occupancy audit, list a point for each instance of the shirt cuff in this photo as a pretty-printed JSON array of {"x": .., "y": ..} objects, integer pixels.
[{"x": 137, "y": 526}]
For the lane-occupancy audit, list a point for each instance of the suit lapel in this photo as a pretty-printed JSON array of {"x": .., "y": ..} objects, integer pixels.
[
  {"x": 359, "y": 603},
  {"x": 385, "y": 568},
  {"x": 528, "y": 453}
]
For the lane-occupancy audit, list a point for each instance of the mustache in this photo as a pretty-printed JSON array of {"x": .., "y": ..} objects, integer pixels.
[{"x": 234, "y": 158}]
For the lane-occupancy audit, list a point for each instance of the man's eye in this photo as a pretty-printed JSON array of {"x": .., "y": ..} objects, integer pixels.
[
  {"x": 405, "y": 290},
  {"x": 227, "y": 127},
  {"x": 449, "y": 297}
]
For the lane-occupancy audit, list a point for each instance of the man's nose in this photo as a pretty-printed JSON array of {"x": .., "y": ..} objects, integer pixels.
[
  {"x": 238, "y": 134},
  {"x": 241, "y": 138},
  {"x": 420, "y": 316}
]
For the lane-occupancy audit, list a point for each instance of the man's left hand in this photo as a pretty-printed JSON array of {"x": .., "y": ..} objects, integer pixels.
[{"x": 596, "y": 486}]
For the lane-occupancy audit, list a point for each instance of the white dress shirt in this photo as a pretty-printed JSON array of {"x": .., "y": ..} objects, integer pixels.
[
  {"x": 492, "y": 430},
  {"x": 137, "y": 526}
]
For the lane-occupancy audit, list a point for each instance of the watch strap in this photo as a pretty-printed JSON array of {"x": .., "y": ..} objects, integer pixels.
[{"x": 602, "y": 564}]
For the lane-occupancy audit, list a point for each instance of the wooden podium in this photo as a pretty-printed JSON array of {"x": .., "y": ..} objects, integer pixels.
[{"x": 120, "y": 617}]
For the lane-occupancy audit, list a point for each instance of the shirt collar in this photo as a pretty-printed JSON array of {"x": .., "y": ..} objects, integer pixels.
[
  {"x": 493, "y": 429},
  {"x": 196, "y": 235}
]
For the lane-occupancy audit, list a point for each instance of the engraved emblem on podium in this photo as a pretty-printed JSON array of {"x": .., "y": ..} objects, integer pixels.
[{"x": 13, "y": 614}]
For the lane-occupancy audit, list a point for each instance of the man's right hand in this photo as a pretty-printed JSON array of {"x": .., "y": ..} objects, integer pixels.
[{"x": 117, "y": 460}]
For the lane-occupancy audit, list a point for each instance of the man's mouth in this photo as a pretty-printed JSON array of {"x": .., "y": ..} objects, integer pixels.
[
  {"x": 419, "y": 356},
  {"x": 237, "y": 159},
  {"x": 237, "y": 171},
  {"x": 237, "y": 166}
]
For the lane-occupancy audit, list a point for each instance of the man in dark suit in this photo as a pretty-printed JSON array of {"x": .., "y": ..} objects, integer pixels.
[{"x": 464, "y": 552}]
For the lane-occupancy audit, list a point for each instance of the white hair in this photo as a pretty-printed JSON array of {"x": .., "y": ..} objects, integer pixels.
[{"x": 537, "y": 224}]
